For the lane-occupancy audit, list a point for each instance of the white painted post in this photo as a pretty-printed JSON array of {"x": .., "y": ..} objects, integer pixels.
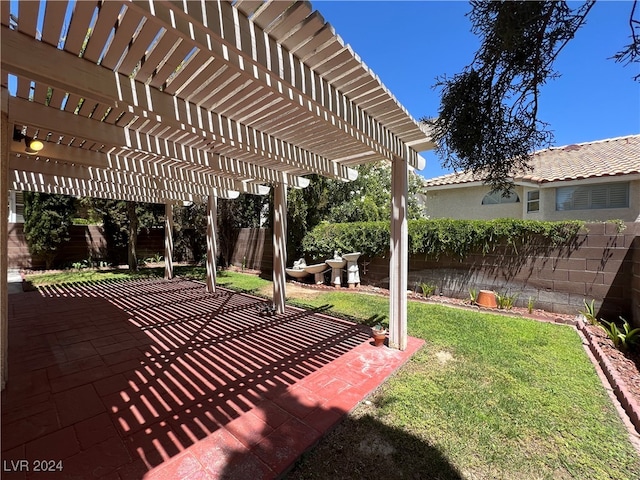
[
  {"x": 279, "y": 245},
  {"x": 212, "y": 242},
  {"x": 4, "y": 241},
  {"x": 168, "y": 241},
  {"x": 398, "y": 267}
]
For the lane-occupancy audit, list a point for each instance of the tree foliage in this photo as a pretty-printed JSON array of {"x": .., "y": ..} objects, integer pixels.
[
  {"x": 122, "y": 221},
  {"x": 488, "y": 117},
  {"x": 366, "y": 199},
  {"x": 47, "y": 219},
  {"x": 631, "y": 52},
  {"x": 190, "y": 230}
]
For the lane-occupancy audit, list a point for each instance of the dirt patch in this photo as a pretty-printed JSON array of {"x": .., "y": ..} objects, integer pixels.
[
  {"x": 293, "y": 290},
  {"x": 444, "y": 357}
]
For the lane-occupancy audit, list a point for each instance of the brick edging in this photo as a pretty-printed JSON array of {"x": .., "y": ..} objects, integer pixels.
[{"x": 618, "y": 386}]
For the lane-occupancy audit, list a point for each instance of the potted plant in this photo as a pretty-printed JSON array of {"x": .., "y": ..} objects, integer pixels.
[{"x": 379, "y": 335}]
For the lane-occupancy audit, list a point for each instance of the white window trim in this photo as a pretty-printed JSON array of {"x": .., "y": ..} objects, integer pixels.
[
  {"x": 531, "y": 201},
  {"x": 14, "y": 217}
]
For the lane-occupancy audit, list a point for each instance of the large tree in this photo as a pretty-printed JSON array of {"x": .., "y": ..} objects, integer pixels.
[
  {"x": 122, "y": 221},
  {"x": 190, "y": 229},
  {"x": 47, "y": 218},
  {"x": 488, "y": 117}
]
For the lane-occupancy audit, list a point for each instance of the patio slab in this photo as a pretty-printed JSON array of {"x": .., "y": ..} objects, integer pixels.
[{"x": 155, "y": 379}]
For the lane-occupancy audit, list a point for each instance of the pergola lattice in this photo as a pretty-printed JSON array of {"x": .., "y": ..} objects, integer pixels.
[{"x": 172, "y": 101}]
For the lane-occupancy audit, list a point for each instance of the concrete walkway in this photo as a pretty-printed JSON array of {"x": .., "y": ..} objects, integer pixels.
[
  {"x": 14, "y": 281},
  {"x": 154, "y": 379}
]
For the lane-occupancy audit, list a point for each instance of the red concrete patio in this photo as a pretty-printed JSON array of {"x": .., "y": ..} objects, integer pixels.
[{"x": 159, "y": 379}]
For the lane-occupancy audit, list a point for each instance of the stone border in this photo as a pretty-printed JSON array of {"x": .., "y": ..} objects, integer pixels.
[{"x": 618, "y": 386}]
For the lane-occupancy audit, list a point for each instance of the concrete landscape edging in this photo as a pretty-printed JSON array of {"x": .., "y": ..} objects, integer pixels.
[{"x": 618, "y": 386}]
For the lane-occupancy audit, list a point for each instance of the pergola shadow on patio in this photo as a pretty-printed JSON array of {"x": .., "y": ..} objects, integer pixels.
[{"x": 161, "y": 379}]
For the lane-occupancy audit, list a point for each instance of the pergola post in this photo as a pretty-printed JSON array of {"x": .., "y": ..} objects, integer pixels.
[
  {"x": 212, "y": 243},
  {"x": 168, "y": 241},
  {"x": 4, "y": 240},
  {"x": 279, "y": 245},
  {"x": 398, "y": 268}
]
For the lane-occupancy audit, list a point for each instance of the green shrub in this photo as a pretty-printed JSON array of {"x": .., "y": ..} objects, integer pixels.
[
  {"x": 473, "y": 295},
  {"x": 428, "y": 289},
  {"x": 436, "y": 237},
  {"x": 461, "y": 237},
  {"x": 47, "y": 218},
  {"x": 506, "y": 301},
  {"x": 369, "y": 238},
  {"x": 622, "y": 339},
  {"x": 531, "y": 303},
  {"x": 589, "y": 312}
]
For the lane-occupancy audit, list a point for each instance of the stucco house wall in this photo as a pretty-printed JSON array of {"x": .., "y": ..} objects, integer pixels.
[{"x": 465, "y": 202}]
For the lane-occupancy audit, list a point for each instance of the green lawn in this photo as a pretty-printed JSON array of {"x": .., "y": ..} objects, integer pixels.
[{"x": 488, "y": 397}]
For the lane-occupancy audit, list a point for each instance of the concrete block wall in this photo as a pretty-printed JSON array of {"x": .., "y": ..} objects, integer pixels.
[
  {"x": 599, "y": 265},
  {"x": 635, "y": 282},
  {"x": 602, "y": 264}
]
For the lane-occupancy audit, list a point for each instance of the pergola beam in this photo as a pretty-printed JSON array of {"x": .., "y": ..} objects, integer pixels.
[
  {"x": 81, "y": 158},
  {"x": 64, "y": 126},
  {"x": 65, "y": 174},
  {"x": 43, "y": 183}
]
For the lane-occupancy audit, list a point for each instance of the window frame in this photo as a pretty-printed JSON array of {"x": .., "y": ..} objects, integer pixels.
[{"x": 531, "y": 201}]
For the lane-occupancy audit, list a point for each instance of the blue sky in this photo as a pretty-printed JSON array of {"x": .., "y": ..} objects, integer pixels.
[{"x": 408, "y": 44}]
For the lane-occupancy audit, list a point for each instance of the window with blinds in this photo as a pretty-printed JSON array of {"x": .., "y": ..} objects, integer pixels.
[{"x": 590, "y": 197}]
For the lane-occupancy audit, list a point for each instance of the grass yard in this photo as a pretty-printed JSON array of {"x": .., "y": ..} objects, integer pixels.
[{"x": 488, "y": 397}]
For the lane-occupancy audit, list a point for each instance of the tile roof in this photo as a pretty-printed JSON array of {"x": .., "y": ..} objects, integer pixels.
[{"x": 603, "y": 158}]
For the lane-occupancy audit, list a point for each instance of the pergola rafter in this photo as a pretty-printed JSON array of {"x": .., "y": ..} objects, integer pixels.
[{"x": 147, "y": 108}]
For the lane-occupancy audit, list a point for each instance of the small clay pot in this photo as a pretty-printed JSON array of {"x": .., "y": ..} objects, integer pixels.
[
  {"x": 379, "y": 336},
  {"x": 487, "y": 298}
]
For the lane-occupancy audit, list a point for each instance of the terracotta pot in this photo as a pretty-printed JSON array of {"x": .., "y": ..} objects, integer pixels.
[
  {"x": 487, "y": 298},
  {"x": 379, "y": 336}
]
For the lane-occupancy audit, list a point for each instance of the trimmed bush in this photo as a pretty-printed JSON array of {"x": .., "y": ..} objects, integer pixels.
[{"x": 438, "y": 236}]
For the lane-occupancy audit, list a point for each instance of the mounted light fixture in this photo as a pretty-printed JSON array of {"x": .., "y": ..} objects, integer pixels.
[{"x": 31, "y": 145}]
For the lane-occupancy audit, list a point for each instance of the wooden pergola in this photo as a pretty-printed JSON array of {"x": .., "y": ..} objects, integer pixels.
[{"x": 170, "y": 101}]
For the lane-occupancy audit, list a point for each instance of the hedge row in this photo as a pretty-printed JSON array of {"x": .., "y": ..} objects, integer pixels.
[{"x": 438, "y": 236}]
